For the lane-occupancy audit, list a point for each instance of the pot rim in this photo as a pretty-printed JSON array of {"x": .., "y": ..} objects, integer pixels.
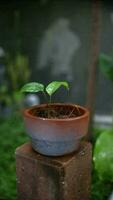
[{"x": 26, "y": 112}]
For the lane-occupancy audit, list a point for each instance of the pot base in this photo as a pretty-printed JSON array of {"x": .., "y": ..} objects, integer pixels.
[{"x": 52, "y": 148}]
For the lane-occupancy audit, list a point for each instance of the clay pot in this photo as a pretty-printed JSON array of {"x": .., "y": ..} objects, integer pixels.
[{"x": 56, "y": 137}]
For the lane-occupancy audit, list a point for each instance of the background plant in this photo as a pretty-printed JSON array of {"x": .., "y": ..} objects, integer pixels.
[
  {"x": 103, "y": 147},
  {"x": 12, "y": 135},
  {"x": 17, "y": 73},
  {"x": 17, "y": 70}
]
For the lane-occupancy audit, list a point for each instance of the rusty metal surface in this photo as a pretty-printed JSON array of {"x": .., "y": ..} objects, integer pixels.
[{"x": 53, "y": 178}]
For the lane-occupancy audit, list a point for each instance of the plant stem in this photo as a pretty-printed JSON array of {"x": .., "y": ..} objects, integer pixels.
[
  {"x": 50, "y": 99},
  {"x": 45, "y": 96}
]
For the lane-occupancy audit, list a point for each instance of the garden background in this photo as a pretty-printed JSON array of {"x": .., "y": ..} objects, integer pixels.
[{"x": 45, "y": 40}]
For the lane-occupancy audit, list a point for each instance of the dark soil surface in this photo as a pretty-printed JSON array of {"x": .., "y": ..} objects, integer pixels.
[{"x": 61, "y": 112}]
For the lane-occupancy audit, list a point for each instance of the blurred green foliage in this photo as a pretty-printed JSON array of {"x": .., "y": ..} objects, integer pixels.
[
  {"x": 17, "y": 74},
  {"x": 106, "y": 65},
  {"x": 103, "y": 156},
  {"x": 100, "y": 189},
  {"x": 16, "y": 63},
  {"x": 4, "y": 96},
  {"x": 18, "y": 71},
  {"x": 101, "y": 185},
  {"x": 103, "y": 147},
  {"x": 11, "y": 136}
]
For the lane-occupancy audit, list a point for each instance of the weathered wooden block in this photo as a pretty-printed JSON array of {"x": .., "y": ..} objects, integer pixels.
[{"x": 53, "y": 178}]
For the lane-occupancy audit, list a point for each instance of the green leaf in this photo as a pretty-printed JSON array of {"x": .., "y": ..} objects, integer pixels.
[
  {"x": 55, "y": 85},
  {"x": 106, "y": 65},
  {"x": 33, "y": 87},
  {"x": 103, "y": 155}
]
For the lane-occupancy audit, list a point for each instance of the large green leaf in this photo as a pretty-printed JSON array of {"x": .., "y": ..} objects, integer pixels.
[
  {"x": 33, "y": 87},
  {"x": 106, "y": 65},
  {"x": 103, "y": 155},
  {"x": 55, "y": 85}
]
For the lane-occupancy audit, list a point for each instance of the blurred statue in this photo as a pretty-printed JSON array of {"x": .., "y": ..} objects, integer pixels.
[
  {"x": 111, "y": 196},
  {"x": 57, "y": 48},
  {"x": 111, "y": 17}
]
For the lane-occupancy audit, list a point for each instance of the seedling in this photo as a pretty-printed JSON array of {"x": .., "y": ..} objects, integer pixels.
[{"x": 50, "y": 89}]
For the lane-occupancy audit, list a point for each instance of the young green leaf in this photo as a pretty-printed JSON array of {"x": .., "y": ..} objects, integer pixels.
[
  {"x": 33, "y": 87},
  {"x": 55, "y": 85}
]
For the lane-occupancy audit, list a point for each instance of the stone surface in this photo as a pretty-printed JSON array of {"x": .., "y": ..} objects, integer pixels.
[{"x": 53, "y": 178}]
